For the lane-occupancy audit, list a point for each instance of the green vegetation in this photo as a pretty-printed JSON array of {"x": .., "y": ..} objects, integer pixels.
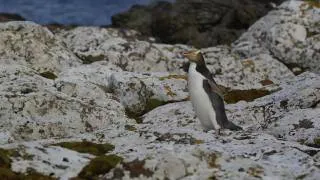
[
  {"x": 87, "y": 147},
  {"x": 7, "y": 173},
  {"x": 48, "y": 75},
  {"x": 99, "y": 165},
  {"x": 233, "y": 96}
]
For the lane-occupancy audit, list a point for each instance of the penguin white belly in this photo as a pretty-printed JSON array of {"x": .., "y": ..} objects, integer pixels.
[{"x": 200, "y": 100}]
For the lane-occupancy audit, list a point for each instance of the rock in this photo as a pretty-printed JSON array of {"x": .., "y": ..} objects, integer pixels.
[
  {"x": 235, "y": 72},
  {"x": 72, "y": 121},
  {"x": 290, "y": 34},
  {"x": 139, "y": 93},
  {"x": 50, "y": 160},
  {"x": 301, "y": 92},
  {"x": 90, "y": 83},
  {"x": 5, "y": 17},
  {"x": 122, "y": 49},
  {"x": 29, "y": 44},
  {"x": 31, "y": 108},
  {"x": 199, "y": 23}
]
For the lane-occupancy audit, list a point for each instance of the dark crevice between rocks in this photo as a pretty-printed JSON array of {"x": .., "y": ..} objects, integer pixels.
[
  {"x": 315, "y": 143},
  {"x": 310, "y": 152},
  {"x": 7, "y": 173},
  {"x": 315, "y": 104},
  {"x": 295, "y": 68}
]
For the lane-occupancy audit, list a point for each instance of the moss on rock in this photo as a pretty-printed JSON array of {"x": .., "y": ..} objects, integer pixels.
[
  {"x": 48, "y": 75},
  {"x": 136, "y": 168},
  {"x": 99, "y": 166},
  {"x": 87, "y": 147},
  {"x": 7, "y": 173},
  {"x": 233, "y": 96}
]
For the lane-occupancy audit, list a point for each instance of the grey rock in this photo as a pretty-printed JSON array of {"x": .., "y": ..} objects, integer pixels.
[
  {"x": 32, "y": 108},
  {"x": 141, "y": 92},
  {"x": 290, "y": 34},
  {"x": 32, "y": 45},
  {"x": 96, "y": 44}
]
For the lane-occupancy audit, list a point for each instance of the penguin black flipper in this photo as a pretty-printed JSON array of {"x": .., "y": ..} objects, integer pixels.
[{"x": 217, "y": 102}]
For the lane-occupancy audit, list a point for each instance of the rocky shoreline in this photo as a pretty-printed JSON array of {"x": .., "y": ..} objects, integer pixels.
[
  {"x": 201, "y": 24},
  {"x": 92, "y": 102}
]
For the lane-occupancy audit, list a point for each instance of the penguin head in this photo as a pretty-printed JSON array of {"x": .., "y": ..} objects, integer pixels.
[{"x": 194, "y": 56}]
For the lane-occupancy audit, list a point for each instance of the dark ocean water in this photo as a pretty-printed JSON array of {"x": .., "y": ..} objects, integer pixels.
[{"x": 80, "y": 12}]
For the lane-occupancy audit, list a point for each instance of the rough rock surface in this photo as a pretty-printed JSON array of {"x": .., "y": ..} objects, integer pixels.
[
  {"x": 202, "y": 23},
  {"x": 121, "y": 48},
  {"x": 102, "y": 120},
  {"x": 290, "y": 33},
  {"x": 31, "y": 45},
  {"x": 98, "y": 44}
]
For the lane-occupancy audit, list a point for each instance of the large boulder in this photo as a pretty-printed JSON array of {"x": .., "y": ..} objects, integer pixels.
[
  {"x": 32, "y": 108},
  {"x": 290, "y": 34},
  {"x": 32, "y": 45},
  {"x": 199, "y": 23},
  {"x": 121, "y": 48}
]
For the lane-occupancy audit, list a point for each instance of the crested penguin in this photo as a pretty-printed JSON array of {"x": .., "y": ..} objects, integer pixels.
[{"x": 206, "y": 98}]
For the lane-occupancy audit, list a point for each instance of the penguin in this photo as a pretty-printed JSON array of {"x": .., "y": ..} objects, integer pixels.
[{"x": 206, "y": 98}]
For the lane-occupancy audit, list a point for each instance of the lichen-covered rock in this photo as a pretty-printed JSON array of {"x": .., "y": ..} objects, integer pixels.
[
  {"x": 235, "y": 72},
  {"x": 98, "y": 44},
  {"x": 32, "y": 45},
  {"x": 32, "y": 108},
  {"x": 299, "y": 93},
  {"x": 119, "y": 48},
  {"x": 141, "y": 92},
  {"x": 90, "y": 83},
  {"x": 290, "y": 33},
  {"x": 302, "y": 125}
]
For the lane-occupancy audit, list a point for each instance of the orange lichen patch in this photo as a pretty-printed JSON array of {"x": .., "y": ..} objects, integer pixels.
[
  {"x": 247, "y": 62},
  {"x": 212, "y": 160},
  {"x": 266, "y": 82},
  {"x": 169, "y": 91},
  {"x": 198, "y": 141},
  {"x": 255, "y": 171}
]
